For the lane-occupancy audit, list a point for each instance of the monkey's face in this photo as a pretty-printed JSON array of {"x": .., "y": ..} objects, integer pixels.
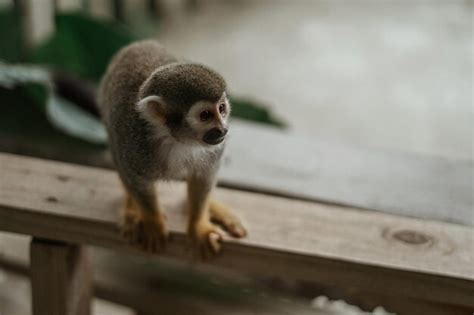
[
  {"x": 189, "y": 101},
  {"x": 204, "y": 122},
  {"x": 208, "y": 120}
]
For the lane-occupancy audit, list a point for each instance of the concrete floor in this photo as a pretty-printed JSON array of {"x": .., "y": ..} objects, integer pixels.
[{"x": 387, "y": 74}]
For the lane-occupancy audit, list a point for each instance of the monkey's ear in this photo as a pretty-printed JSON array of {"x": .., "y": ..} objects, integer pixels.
[{"x": 153, "y": 108}]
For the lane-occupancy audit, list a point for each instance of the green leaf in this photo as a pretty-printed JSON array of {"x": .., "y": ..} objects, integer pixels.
[
  {"x": 82, "y": 45},
  {"x": 254, "y": 111},
  {"x": 37, "y": 85},
  {"x": 75, "y": 122},
  {"x": 10, "y": 36},
  {"x": 34, "y": 81}
]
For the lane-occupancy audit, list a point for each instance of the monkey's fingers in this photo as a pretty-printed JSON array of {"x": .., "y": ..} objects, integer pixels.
[
  {"x": 214, "y": 242},
  {"x": 224, "y": 217},
  {"x": 148, "y": 233},
  {"x": 152, "y": 240},
  {"x": 210, "y": 246},
  {"x": 207, "y": 239}
]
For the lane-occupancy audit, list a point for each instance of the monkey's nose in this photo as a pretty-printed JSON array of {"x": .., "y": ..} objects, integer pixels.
[{"x": 214, "y": 135}]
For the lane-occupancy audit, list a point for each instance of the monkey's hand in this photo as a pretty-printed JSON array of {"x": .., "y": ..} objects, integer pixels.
[
  {"x": 145, "y": 229},
  {"x": 205, "y": 232},
  {"x": 206, "y": 238}
]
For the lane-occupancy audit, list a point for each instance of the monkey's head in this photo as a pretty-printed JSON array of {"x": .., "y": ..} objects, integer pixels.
[{"x": 187, "y": 99}]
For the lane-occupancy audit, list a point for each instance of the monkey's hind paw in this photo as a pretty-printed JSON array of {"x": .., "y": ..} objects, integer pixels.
[
  {"x": 146, "y": 231},
  {"x": 206, "y": 238}
]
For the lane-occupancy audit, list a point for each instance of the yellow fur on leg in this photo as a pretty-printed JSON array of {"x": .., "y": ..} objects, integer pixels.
[{"x": 143, "y": 229}]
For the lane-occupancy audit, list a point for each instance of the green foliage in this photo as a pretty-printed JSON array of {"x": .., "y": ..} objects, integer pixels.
[
  {"x": 82, "y": 45},
  {"x": 250, "y": 110},
  {"x": 34, "y": 81},
  {"x": 37, "y": 93},
  {"x": 35, "y": 84},
  {"x": 10, "y": 45}
]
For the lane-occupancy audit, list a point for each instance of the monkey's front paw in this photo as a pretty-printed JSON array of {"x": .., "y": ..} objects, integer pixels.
[
  {"x": 146, "y": 231},
  {"x": 227, "y": 220},
  {"x": 206, "y": 237}
]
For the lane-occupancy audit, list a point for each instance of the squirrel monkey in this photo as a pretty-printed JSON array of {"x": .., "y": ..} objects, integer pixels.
[{"x": 166, "y": 119}]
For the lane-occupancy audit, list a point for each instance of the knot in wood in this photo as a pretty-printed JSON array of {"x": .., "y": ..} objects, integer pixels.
[{"x": 412, "y": 237}]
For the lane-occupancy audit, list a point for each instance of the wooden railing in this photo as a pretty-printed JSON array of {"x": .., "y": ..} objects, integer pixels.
[{"x": 65, "y": 207}]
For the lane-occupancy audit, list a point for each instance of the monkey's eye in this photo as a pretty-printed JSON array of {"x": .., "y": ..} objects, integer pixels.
[
  {"x": 205, "y": 115},
  {"x": 222, "y": 109}
]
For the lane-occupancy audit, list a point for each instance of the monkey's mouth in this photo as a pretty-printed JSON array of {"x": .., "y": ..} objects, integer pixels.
[
  {"x": 213, "y": 141},
  {"x": 214, "y": 136}
]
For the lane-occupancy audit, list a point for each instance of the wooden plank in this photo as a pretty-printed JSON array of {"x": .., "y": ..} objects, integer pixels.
[
  {"x": 286, "y": 164},
  {"x": 15, "y": 292},
  {"x": 131, "y": 281},
  {"x": 288, "y": 238},
  {"x": 141, "y": 284},
  {"x": 61, "y": 278}
]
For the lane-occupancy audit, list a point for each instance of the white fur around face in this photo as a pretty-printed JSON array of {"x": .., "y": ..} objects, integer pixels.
[
  {"x": 193, "y": 115},
  {"x": 147, "y": 107},
  {"x": 185, "y": 158}
]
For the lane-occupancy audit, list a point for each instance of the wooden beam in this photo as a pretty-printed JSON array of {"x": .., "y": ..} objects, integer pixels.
[
  {"x": 281, "y": 163},
  {"x": 118, "y": 8},
  {"x": 288, "y": 238},
  {"x": 61, "y": 278},
  {"x": 148, "y": 286}
]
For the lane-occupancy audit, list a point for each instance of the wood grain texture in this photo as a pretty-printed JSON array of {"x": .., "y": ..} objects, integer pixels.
[
  {"x": 61, "y": 278},
  {"x": 270, "y": 160},
  {"x": 288, "y": 238}
]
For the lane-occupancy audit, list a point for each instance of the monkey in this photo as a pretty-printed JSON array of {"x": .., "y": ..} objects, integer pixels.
[{"x": 167, "y": 119}]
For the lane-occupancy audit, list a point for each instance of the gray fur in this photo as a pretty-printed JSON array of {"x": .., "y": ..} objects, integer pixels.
[{"x": 142, "y": 69}]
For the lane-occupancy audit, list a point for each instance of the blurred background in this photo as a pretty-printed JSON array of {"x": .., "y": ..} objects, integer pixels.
[
  {"x": 392, "y": 76},
  {"x": 389, "y": 74}
]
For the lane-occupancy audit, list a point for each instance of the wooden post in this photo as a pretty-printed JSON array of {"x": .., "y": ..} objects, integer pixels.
[
  {"x": 155, "y": 8},
  {"x": 61, "y": 278},
  {"x": 68, "y": 5},
  {"x": 37, "y": 21},
  {"x": 100, "y": 8},
  {"x": 118, "y": 7}
]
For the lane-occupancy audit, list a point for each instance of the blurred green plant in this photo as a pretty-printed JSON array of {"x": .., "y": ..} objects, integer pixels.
[
  {"x": 37, "y": 84},
  {"x": 82, "y": 46},
  {"x": 250, "y": 110},
  {"x": 10, "y": 35}
]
